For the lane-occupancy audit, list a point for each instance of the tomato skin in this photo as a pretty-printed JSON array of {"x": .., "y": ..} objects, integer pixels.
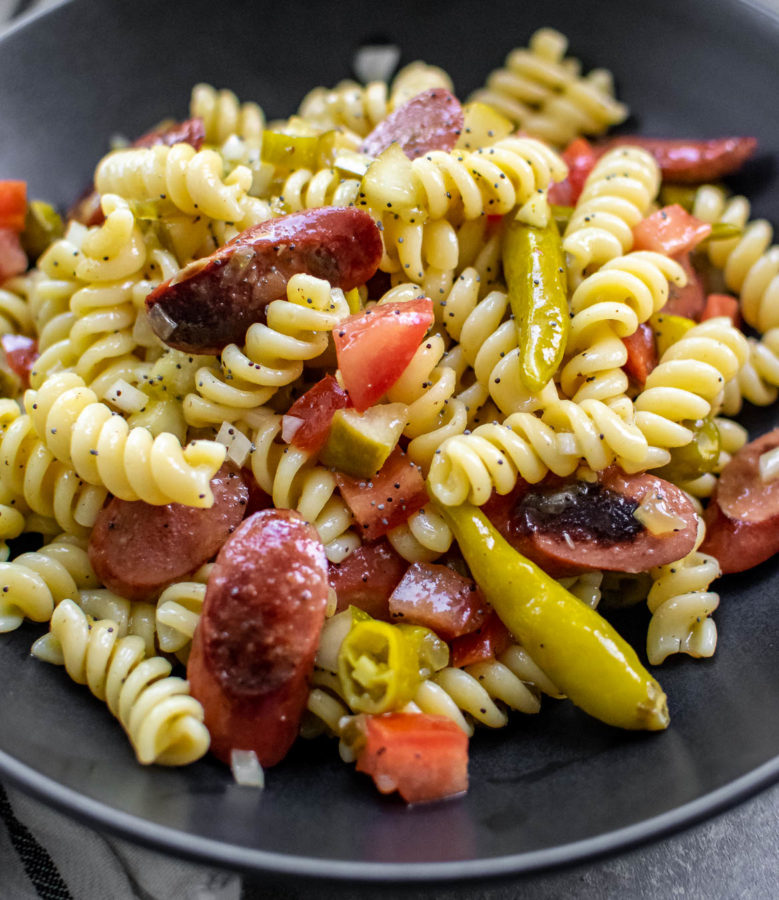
[
  {"x": 692, "y": 162},
  {"x": 367, "y": 578},
  {"x": 671, "y": 230},
  {"x": 13, "y": 259},
  {"x": 580, "y": 157},
  {"x": 20, "y": 355},
  {"x": 13, "y": 205},
  {"x": 687, "y": 301},
  {"x": 642, "y": 353},
  {"x": 487, "y": 642},
  {"x": 374, "y": 347},
  {"x": 440, "y": 599},
  {"x": 423, "y": 757},
  {"x": 386, "y": 500},
  {"x": 722, "y": 305},
  {"x": 315, "y": 411}
]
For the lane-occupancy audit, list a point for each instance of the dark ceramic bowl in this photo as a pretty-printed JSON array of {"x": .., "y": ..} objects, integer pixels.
[{"x": 546, "y": 790}]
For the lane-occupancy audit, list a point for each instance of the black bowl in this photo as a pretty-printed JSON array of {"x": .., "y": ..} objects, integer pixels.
[{"x": 546, "y": 790}]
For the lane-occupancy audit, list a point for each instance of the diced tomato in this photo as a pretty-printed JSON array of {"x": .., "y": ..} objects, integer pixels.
[
  {"x": 671, "y": 230},
  {"x": 386, "y": 500},
  {"x": 367, "y": 578},
  {"x": 722, "y": 305},
  {"x": 374, "y": 347},
  {"x": 13, "y": 205},
  {"x": 307, "y": 423},
  {"x": 258, "y": 499},
  {"x": 692, "y": 162},
  {"x": 13, "y": 259},
  {"x": 487, "y": 642},
  {"x": 689, "y": 300},
  {"x": 580, "y": 157},
  {"x": 440, "y": 599},
  {"x": 423, "y": 757},
  {"x": 642, "y": 353},
  {"x": 20, "y": 354}
]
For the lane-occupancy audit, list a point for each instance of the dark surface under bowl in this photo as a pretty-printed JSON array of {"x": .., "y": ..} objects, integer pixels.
[{"x": 549, "y": 789}]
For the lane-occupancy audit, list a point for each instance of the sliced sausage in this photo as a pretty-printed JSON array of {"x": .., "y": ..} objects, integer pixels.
[
  {"x": 572, "y": 527},
  {"x": 213, "y": 301},
  {"x": 137, "y": 549},
  {"x": 432, "y": 120},
  {"x": 440, "y": 599},
  {"x": 742, "y": 519},
  {"x": 254, "y": 646},
  {"x": 367, "y": 578},
  {"x": 692, "y": 161},
  {"x": 190, "y": 131}
]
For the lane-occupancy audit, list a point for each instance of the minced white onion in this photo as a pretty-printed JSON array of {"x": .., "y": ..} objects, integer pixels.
[
  {"x": 246, "y": 769},
  {"x": 655, "y": 515},
  {"x": 289, "y": 427},
  {"x": 161, "y": 322},
  {"x": 238, "y": 445},
  {"x": 125, "y": 396}
]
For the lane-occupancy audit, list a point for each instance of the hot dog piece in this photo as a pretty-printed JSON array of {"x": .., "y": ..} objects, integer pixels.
[
  {"x": 692, "y": 161},
  {"x": 432, "y": 120},
  {"x": 213, "y": 301},
  {"x": 137, "y": 549},
  {"x": 621, "y": 523},
  {"x": 190, "y": 131},
  {"x": 742, "y": 519},
  {"x": 255, "y": 643}
]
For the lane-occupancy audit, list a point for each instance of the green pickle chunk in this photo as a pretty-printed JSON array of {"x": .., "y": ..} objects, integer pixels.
[
  {"x": 359, "y": 443},
  {"x": 697, "y": 458}
]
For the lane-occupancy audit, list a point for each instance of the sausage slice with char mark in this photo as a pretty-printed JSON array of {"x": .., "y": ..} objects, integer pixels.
[
  {"x": 212, "y": 302},
  {"x": 254, "y": 646}
]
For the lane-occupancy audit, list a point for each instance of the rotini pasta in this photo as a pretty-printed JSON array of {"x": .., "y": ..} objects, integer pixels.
[{"x": 164, "y": 724}]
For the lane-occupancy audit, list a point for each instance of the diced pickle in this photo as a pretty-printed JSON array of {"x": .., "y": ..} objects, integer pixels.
[
  {"x": 483, "y": 126},
  {"x": 359, "y": 443},
  {"x": 668, "y": 329},
  {"x": 42, "y": 226},
  {"x": 390, "y": 184},
  {"x": 698, "y": 457}
]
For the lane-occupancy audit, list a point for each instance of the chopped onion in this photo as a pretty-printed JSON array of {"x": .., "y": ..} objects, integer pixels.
[
  {"x": 161, "y": 323},
  {"x": 143, "y": 333},
  {"x": 238, "y": 445},
  {"x": 536, "y": 210},
  {"x": 246, "y": 769},
  {"x": 289, "y": 427},
  {"x": 125, "y": 396},
  {"x": 376, "y": 62},
  {"x": 656, "y": 517},
  {"x": 769, "y": 465}
]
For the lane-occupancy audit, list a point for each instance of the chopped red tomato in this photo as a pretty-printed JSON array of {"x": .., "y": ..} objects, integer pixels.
[
  {"x": 642, "y": 353},
  {"x": 693, "y": 162},
  {"x": 487, "y": 642},
  {"x": 423, "y": 757},
  {"x": 386, "y": 500},
  {"x": 722, "y": 305},
  {"x": 440, "y": 599},
  {"x": 13, "y": 259},
  {"x": 367, "y": 578},
  {"x": 687, "y": 301},
  {"x": 20, "y": 354},
  {"x": 374, "y": 347},
  {"x": 671, "y": 230},
  {"x": 13, "y": 205},
  {"x": 580, "y": 157},
  {"x": 307, "y": 423}
]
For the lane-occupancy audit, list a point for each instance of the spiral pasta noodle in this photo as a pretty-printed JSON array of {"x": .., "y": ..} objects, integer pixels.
[
  {"x": 750, "y": 262},
  {"x": 293, "y": 480},
  {"x": 224, "y": 115},
  {"x": 33, "y": 584},
  {"x": 681, "y": 606},
  {"x": 16, "y": 315},
  {"x": 297, "y": 329},
  {"x": 163, "y": 722},
  {"x": 545, "y": 95},
  {"x": 103, "y": 449},
  {"x": 616, "y": 196}
]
